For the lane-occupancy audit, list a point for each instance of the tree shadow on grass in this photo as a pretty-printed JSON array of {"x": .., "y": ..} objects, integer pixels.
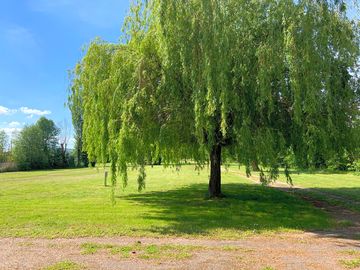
[
  {"x": 347, "y": 196},
  {"x": 246, "y": 209},
  {"x": 341, "y": 203}
]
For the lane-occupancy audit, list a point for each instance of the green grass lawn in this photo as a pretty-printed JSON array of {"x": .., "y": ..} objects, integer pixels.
[
  {"x": 343, "y": 188},
  {"x": 335, "y": 187},
  {"x": 69, "y": 203}
]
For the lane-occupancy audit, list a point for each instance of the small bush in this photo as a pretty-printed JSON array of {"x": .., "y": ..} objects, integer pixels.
[{"x": 356, "y": 166}]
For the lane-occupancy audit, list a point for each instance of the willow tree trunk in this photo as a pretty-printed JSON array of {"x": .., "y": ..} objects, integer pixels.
[
  {"x": 255, "y": 166},
  {"x": 215, "y": 172}
]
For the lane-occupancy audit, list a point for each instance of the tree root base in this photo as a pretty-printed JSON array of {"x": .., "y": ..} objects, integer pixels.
[{"x": 215, "y": 197}]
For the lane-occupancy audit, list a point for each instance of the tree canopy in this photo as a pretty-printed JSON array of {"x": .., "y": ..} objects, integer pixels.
[
  {"x": 235, "y": 80},
  {"x": 36, "y": 146}
]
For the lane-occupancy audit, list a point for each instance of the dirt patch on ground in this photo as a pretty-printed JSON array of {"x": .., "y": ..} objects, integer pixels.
[{"x": 284, "y": 251}]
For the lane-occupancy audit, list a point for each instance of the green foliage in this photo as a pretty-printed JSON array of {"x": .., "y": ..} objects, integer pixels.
[
  {"x": 37, "y": 147},
  {"x": 256, "y": 77},
  {"x": 357, "y": 166},
  {"x": 3, "y": 145},
  {"x": 75, "y": 106},
  {"x": 29, "y": 149}
]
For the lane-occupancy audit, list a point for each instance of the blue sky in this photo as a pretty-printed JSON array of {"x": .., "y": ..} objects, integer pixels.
[{"x": 40, "y": 40}]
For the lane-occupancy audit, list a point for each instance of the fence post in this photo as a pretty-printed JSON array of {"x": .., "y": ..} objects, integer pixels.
[{"x": 105, "y": 178}]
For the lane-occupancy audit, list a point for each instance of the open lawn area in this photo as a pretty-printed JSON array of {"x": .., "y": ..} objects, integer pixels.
[
  {"x": 69, "y": 203},
  {"x": 64, "y": 219},
  {"x": 337, "y": 188}
]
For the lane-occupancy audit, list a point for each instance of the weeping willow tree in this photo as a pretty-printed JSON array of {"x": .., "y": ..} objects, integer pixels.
[{"x": 216, "y": 81}]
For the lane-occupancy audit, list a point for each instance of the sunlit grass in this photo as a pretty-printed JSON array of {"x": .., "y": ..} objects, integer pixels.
[
  {"x": 69, "y": 203},
  {"x": 340, "y": 188}
]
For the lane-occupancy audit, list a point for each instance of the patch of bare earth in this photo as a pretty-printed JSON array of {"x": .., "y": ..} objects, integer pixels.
[
  {"x": 308, "y": 250},
  {"x": 284, "y": 251}
]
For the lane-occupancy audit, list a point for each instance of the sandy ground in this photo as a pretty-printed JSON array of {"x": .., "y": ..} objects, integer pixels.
[{"x": 283, "y": 251}]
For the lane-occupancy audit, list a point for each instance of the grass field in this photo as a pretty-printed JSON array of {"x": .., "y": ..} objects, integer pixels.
[
  {"x": 336, "y": 188},
  {"x": 69, "y": 203}
]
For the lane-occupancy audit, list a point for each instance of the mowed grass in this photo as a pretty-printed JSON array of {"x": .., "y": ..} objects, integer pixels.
[
  {"x": 71, "y": 203},
  {"x": 337, "y": 188},
  {"x": 340, "y": 188}
]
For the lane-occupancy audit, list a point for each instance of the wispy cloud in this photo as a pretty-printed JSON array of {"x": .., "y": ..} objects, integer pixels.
[
  {"x": 6, "y": 111},
  {"x": 31, "y": 112},
  {"x": 14, "y": 124},
  {"x": 19, "y": 36}
]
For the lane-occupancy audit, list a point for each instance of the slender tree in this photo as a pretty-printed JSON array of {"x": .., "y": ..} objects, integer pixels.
[
  {"x": 222, "y": 80},
  {"x": 75, "y": 106},
  {"x": 63, "y": 141},
  {"x": 4, "y": 140}
]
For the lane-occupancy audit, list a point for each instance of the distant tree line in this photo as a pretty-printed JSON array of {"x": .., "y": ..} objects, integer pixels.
[
  {"x": 37, "y": 146},
  {"x": 3, "y": 146}
]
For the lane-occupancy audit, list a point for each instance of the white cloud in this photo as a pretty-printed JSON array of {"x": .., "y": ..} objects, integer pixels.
[
  {"x": 11, "y": 128},
  {"x": 31, "y": 112},
  {"x": 14, "y": 124},
  {"x": 11, "y": 131},
  {"x": 6, "y": 111},
  {"x": 25, "y": 110}
]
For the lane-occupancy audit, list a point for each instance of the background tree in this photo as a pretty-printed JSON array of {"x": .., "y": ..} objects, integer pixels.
[
  {"x": 63, "y": 138},
  {"x": 28, "y": 150},
  {"x": 222, "y": 80},
  {"x": 36, "y": 146},
  {"x": 4, "y": 140},
  {"x": 75, "y": 106},
  {"x": 49, "y": 133}
]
